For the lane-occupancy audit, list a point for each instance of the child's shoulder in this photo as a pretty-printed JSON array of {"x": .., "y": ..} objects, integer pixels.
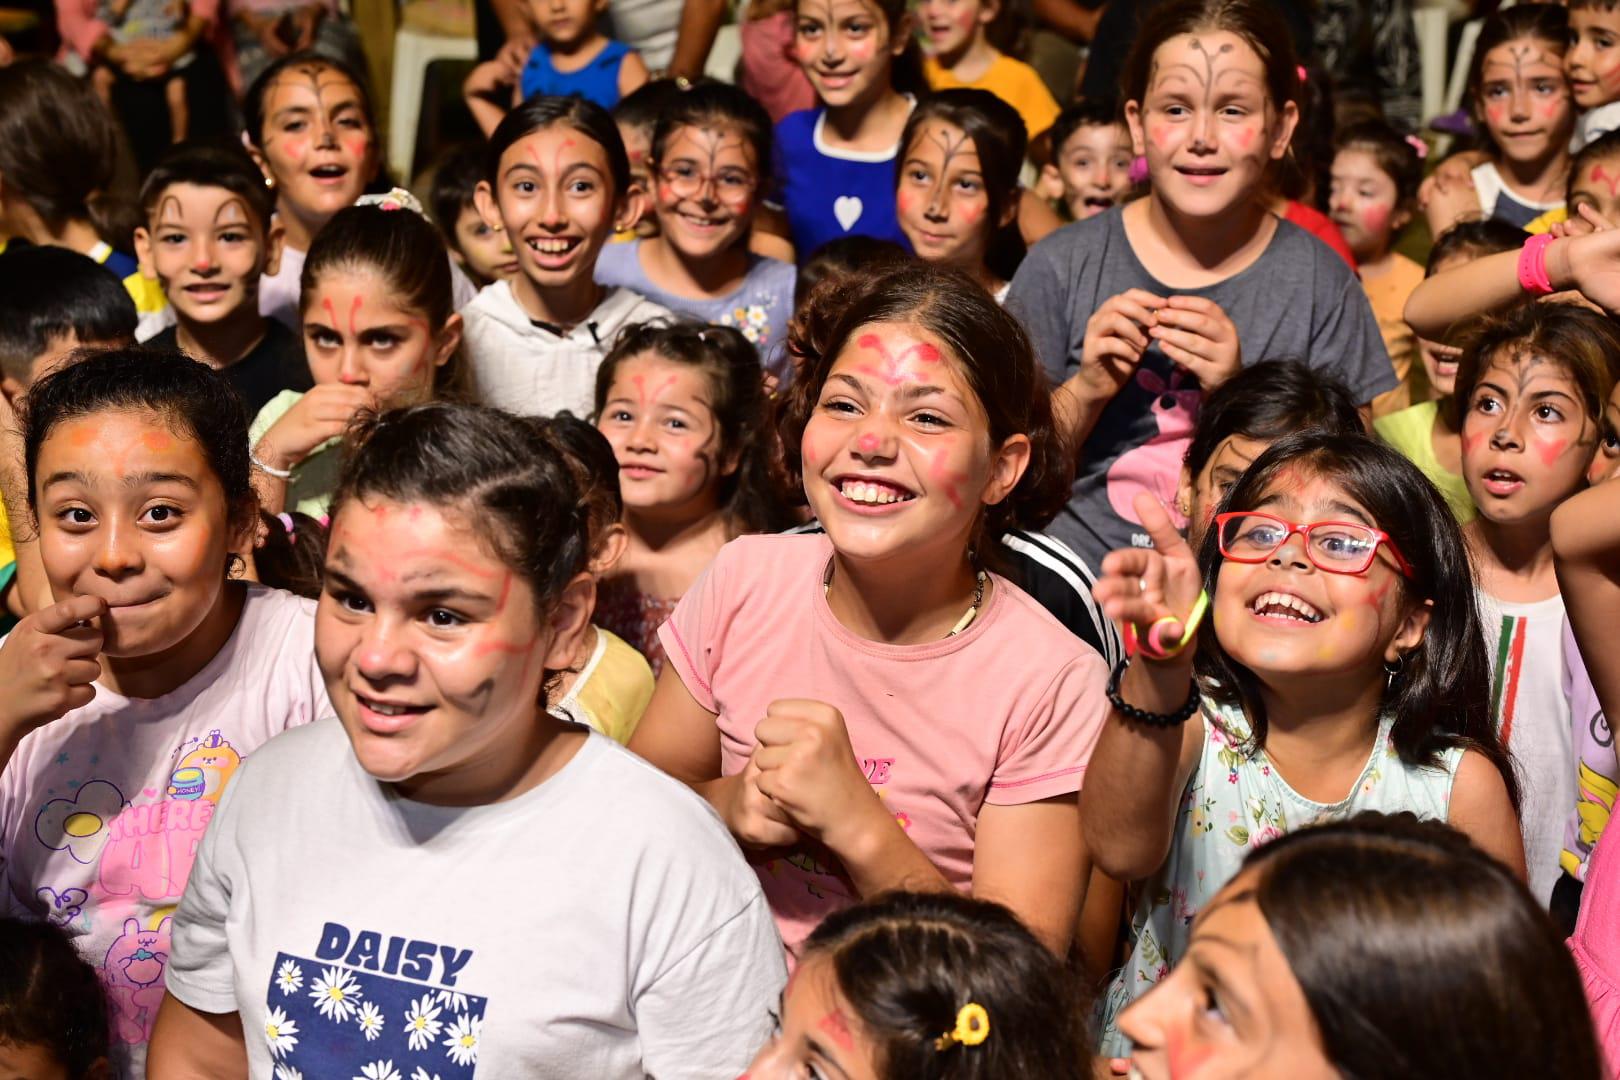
[
  {"x": 622, "y": 307},
  {"x": 799, "y": 127}
]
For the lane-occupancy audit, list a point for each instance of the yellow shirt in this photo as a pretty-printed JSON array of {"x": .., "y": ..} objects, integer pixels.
[
  {"x": 1410, "y": 432},
  {"x": 611, "y": 691},
  {"x": 1012, "y": 81},
  {"x": 8, "y": 567},
  {"x": 1388, "y": 293},
  {"x": 1548, "y": 220}
]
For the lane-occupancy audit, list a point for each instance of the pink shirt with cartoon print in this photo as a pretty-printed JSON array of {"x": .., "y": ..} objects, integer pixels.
[
  {"x": 1006, "y": 712},
  {"x": 101, "y": 811}
]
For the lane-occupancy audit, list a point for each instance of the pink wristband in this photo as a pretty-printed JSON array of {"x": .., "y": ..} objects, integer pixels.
[{"x": 1533, "y": 265}]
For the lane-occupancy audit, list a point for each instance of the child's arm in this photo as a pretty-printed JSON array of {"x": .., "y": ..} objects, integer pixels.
[
  {"x": 700, "y": 23},
  {"x": 191, "y": 1045},
  {"x": 1030, "y": 858},
  {"x": 1137, "y": 773},
  {"x": 679, "y": 735},
  {"x": 1586, "y": 552},
  {"x": 1480, "y": 808},
  {"x": 483, "y": 91},
  {"x": 771, "y": 235},
  {"x": 1589, "y": 263},
  {"x": 632, "y": 73}
]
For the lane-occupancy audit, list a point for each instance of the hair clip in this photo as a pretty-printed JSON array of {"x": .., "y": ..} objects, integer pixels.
[
  {"x": 1419, "y": 146},
  {"x": 394, "y": 199},
  {"x": 326, "y": 521},
  {"x": 1303, "y": 73},
  {"x": 972, "y": 1028},
  {"x": 286, "y": 522}
]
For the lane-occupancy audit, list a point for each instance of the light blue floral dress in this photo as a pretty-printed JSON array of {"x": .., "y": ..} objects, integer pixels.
[{"x": 1235, "y": 802}]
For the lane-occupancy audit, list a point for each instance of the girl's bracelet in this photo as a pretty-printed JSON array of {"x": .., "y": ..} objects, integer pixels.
[
  {"x": 1152, "y": 644},
  {"x": 270, "y": 470},
  {"x": 1533, "y": 265},
  {"x": 1142, "y": 716}
]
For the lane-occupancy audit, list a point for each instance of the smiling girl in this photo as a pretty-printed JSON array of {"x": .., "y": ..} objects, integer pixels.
[
  {"x": 1520, "y": 99},
  {"x": 1138, "y": 311},
  {"x": 131, "y": 701},
  {"x": 828, "y": 693},
  {"x": 557, "y": 180},
  {"x": 1531, "y": 386},
  {"x": 835, "y": 163},
  {"x": 710, "y": 159},
  {"x": 957, "y": 190},
  {"x": 457, "y": 586},
  {"x": 1345, "y": 671},
  {"x": 1380, "y": 947},
  {"x": 378, "y": 331},
  {"x": 685, "y": 409}
]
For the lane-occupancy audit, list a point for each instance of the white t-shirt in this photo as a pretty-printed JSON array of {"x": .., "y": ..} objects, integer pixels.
[
  {"x": 101, "y": 811},
  {"x": 1526, "y": 647},
  {"x": 1593, "y": 124},
  {"x": 528, "y": 369},
  {"x": 600, "y": 925}
]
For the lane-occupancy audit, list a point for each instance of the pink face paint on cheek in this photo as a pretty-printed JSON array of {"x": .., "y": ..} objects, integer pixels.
[
  {"x": 1471, "y": 441},
  {"x": 972, "y": 215},
  {"x": 1551, "y": 450},
  {"x": 1244, "y": 137},
  {"x": 834, "y": 1025},
  {"x": 357, "y": 147},
  {"x": 1161, "y": 135},
  {"x": 1496, "y": 114},
  {"x": 949, "y": 480},
  {"x": 904, "y": 202},
  {"x": 1375, "y": 219},
  {"x": 862, "y": 51},
  {"x": 1183, "y": 1061}
]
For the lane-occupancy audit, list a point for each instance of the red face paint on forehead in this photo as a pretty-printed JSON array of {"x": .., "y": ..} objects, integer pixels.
[
  {"x": 837, "y": 1029},
  {"x": 894, "y": 370},
  {"x": 1609, "y": 178}
]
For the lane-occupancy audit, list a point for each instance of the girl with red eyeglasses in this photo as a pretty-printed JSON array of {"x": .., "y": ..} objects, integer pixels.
[{"x": 1341, "y": 668}]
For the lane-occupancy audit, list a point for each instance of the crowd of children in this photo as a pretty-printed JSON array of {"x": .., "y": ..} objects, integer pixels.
[{"x": 875, "y": 571}]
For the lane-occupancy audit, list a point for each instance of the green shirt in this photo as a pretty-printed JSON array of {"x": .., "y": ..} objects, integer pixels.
[
  {"x": 1410, "y": 432},
  {"x": 313, "y": 479}
]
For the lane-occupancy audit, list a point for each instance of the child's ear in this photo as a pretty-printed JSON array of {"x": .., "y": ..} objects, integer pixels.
[
  {"x": 1409, "y": 636},
  {"x": 143, "y": 252},
  {"x": 903, "y": 27},
  {"x": 632, "y": 204},
  {"x": 989, "y": 11},
  {"x": 1007, "y": 469},
  {"x": 612, "y": 549},
  {"x": 1049, "y": 185},
  {"x": 258, "y": 159},
  {"x": 1133, "y": 121},
  {"x": 1400, "y": 219},
  {"x": 13, "y": 389},
  {"x": 484, "y": 201},
  {"x": 1009, "y": 213},
  {"x": 1184, "y": 493},
  {"x": 569, "y": 621},
  {"x": 274, "y": 240},
  {"x": 449, "y": 340},
  {"x": 1287, "y": 120}
]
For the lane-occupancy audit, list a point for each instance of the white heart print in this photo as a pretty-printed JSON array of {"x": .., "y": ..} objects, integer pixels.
[{"x": 847, "y": 209}]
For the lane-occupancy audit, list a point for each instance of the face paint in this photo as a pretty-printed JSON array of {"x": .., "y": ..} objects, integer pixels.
[
  {"x": 1610, "y": 179},
  {"x": 834, "y": 1025},
  {"x": 895, "y": 370}
]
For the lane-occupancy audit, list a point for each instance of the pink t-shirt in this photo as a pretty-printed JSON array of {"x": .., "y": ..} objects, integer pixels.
[
  {"x": 1006, "y": 712},
  {"x": 101, "y": 811}
]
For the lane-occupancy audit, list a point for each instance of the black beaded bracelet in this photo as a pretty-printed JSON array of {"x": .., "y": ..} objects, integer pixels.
[{"x": 1142, "y": 716}]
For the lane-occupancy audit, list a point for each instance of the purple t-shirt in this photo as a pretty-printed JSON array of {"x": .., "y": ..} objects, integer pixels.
[{"x": 1597, "y": 776}]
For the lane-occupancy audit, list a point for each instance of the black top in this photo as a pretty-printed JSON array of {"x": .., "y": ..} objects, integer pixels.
[
  {"x": 275, "y": 364},
  {"x": 1049, "y": 570}
]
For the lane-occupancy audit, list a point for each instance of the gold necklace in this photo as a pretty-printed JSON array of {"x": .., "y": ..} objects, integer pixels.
[{"x": 961, "y": 624}]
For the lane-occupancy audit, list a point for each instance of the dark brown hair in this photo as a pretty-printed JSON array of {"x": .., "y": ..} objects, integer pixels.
[
  {"x": 218, "y": 164},
  {"x": 49, "y": 997},
  {"x": 293, "y": 555},
  {"x": 753, "y": 496},
  {"x": 514, "y": 482},
  {"x": 596, "y": 470},
  {"x": 1255, "y": 21},
  {"x": 716, "y": 105},
  {"x": 1546, "y": 23},
  {"x": 541, "y": 112},
  {"x": 989, "y": 347},
  {"x": 1000, "y": 141},
  {"x": 1441, "y": 697},
  {"x": 404, "y": 249},
  {"x": 908, "y": 962},
  {"x": 58, "y": 148},
  {"x": 1420, "y": 956},
  {"x": 1573, "y": 336},
  {"x": 1394, "y": 156}
]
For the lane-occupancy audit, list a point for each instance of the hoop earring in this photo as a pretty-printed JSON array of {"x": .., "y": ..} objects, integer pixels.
[{"x": 1392, "y": 672}]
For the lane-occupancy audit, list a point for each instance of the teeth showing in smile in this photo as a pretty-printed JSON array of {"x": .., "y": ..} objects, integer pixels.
[
  {"x": 382, "y": 709},
  {"x": 1284, "y": 606},
  {"x": 549, "y": 246},
  {"x": 873, "y": 494}
]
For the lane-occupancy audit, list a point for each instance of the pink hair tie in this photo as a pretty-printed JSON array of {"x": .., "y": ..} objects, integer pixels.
[
  {"x": 1419, "y": 146},
  {"x": 286, "y": 522},
  {"x": 1533, "y": 265},
  {"x": 1304, "y": 76}
]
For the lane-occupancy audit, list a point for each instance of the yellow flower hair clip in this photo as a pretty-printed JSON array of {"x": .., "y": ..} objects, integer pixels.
[{"x": 972, "y": 1028}]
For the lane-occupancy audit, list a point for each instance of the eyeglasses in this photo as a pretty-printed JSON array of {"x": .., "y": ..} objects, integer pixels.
[
  {"x": 1339, "y": 547},
  {"x": 730, "y": 187}
]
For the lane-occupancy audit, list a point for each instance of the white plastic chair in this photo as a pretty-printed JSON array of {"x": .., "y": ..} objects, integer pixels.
[{"x": 414, "y": 50}]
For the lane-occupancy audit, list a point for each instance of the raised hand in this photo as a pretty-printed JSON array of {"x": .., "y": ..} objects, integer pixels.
[{"x": 1143, "y": 585}]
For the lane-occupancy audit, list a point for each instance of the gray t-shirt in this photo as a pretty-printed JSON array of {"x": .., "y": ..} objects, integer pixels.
[
  {"x": 1297, "y": 301},
  {"x": 603, "y": 924}
]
